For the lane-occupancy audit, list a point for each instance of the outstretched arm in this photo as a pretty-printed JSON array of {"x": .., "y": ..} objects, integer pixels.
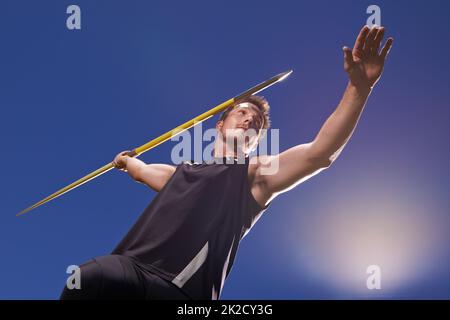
[{"x": 364, "y": 65}]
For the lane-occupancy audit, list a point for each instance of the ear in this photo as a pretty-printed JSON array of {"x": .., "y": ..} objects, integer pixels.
[{"x": 219, "y": 124}]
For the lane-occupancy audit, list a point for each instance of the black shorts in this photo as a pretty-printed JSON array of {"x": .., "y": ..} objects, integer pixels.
[{"x": 119, "y": 277}]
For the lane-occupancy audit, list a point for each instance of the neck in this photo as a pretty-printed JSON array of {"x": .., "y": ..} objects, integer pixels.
[{"x": 221, "y": 151}]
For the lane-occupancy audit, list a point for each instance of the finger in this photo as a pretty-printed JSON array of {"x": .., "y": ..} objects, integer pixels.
[
  {"x": 378, "y": 38},
  {"x": 348, "y": 56},
  {"x": 368, "y": 45},
  {"x": 359, "y": 43},
  {"x": 387, "y": 47}
]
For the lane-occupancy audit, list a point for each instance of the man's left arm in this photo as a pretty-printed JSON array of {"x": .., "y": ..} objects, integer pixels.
[{"x": 364, "y": 65}]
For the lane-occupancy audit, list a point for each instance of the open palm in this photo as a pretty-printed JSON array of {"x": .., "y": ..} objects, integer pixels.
[{"x": 364, "y": 64}]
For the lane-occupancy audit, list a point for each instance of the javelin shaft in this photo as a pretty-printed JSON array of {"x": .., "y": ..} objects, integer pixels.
[{"x": 164, "y": 137}]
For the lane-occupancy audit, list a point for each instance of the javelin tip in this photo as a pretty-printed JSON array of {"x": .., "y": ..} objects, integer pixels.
[{"x": 284, "y": 75}]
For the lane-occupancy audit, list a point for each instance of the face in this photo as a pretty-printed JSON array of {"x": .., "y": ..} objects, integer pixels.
[{"x": 241, "y": 127}]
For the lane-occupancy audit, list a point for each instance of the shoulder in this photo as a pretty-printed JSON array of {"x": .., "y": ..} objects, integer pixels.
[{"x": 258, "y": 168}]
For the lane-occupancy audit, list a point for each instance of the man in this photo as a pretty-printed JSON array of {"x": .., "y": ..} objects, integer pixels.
[{"x": 184, "y": 243}]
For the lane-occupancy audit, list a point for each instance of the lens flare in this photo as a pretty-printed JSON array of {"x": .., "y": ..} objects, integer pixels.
[{"x": 371, "y": 225}]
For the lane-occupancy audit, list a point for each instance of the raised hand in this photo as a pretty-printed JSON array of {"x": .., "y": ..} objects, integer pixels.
[{"x": 364, "y": 64}]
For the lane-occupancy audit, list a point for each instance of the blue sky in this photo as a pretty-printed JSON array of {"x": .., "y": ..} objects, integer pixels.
[{"x": 72, "y": 99}]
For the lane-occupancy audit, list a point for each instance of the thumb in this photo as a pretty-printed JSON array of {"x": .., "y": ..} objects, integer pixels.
[{"x": 348, "y": 56}]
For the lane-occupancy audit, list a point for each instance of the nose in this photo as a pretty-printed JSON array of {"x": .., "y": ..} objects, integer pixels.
[{"x": 249, "y": 119}]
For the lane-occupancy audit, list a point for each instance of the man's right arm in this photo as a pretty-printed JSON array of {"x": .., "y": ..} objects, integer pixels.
[{"x": 153, "y": 175}]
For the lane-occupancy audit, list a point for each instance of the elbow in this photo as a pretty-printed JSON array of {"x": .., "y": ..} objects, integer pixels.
[
  {"x": 328, "y": 159},
  {"x": 325, "y": 162},
  {"x": 321, "y": 163},
  {"x": 322, "y": 158},
  {"x": 326, "y": 156}
]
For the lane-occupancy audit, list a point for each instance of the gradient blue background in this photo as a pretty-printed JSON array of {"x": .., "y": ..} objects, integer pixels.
[{"x": 71, "y": 100}]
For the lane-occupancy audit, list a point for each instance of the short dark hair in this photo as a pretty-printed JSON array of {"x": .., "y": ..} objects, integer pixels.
[{"x": 258, "y": 101}]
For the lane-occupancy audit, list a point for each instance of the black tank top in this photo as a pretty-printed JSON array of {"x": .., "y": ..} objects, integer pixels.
[{"x": 189, "y": 234}]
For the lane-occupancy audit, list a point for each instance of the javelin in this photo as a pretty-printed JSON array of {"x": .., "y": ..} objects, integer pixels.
[{"x": 166, "y": 136}]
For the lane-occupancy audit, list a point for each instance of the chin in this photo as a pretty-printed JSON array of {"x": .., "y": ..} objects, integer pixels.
[{"x": 234, "y": 134}]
